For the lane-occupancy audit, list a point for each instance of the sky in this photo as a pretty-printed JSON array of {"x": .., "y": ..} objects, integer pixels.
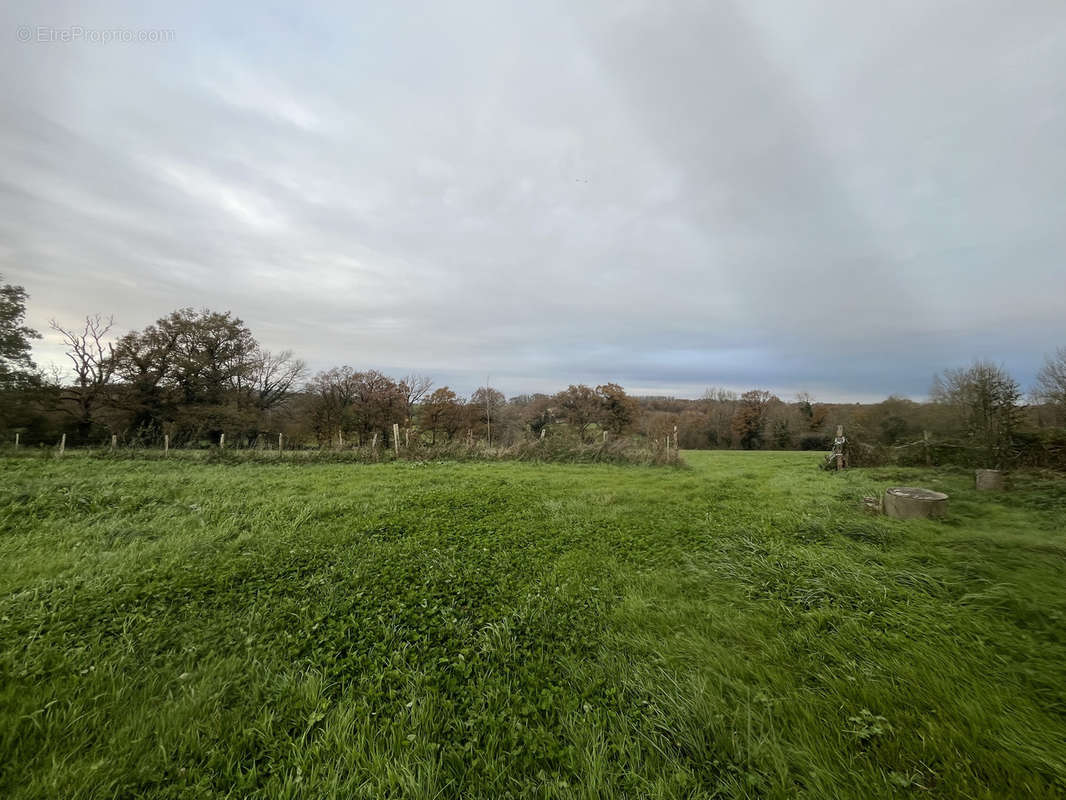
[{"x": 833, "y": 197}]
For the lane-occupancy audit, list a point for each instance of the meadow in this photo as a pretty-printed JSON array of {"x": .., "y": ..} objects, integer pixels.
[{"x": 736, "y": 628}]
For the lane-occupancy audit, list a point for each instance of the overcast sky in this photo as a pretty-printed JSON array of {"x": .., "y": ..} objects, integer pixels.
[{"x": 837, "y": 197}]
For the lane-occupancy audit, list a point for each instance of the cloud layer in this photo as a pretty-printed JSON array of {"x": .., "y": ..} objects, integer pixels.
[{"x": 800, "y": 196}]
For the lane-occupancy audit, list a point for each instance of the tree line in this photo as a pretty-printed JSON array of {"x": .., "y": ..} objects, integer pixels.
[{"x": 195, "y": 375}]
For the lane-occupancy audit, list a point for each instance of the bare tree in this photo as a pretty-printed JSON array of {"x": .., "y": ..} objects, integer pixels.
[
  {"x": 984, "y": 401},
  {"x": 1051, "y": 383},
  {"x": 272, "y": 377},
  {"x": 93, "y": 361},
  {"x": 414, "y": 388},
  {"x": 721, "y": 406},
  {"x": 483, "y": 403},
  {"x": 333, "y": 393}
]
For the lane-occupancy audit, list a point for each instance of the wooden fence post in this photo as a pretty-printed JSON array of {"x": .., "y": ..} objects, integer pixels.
[
  {"x": 605, "y": 437},
  {"x": 62, "y": 444},
  {"x": 16, "y": 441},
  {"x": 222, "y": 441},
  {"x": 396, "y": 437},
  {"x": 279, "y": 442},
  {"x": 114, "y": 441},
  {"x": 675, "y": 437},
  {"x": 166, "y": 445},
  {"x": 407, "y": 438}
]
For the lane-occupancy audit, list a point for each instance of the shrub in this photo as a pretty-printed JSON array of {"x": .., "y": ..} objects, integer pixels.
[
  {"x": 816, "y": 441},
  {"x": 556, "y": 450}
]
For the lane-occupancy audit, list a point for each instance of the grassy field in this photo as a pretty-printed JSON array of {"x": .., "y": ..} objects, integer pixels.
[{"x": 736, "y": 629}]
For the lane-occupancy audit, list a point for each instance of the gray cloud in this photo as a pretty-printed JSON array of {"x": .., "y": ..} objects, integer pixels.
[{"x": 819, "y": 196}]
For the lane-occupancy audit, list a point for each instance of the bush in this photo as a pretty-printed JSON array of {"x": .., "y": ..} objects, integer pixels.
[
  {"x": 556, "y": 450},
  {"x": 1043, "y": 448},
  {"x": 816, "y": 441},
  {"x": 615, "y": 451}
]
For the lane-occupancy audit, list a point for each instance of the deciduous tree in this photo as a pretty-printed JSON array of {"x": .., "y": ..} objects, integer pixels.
[
  {"x": 618, "y": 411},
  {"x": 92, "y": 359},
  {"x": 332, "y": 393},
  {"x": 486, "y": 411},
  {"x": 187, "y": 369},
  {"x": 749, "y": 420},
  {"x": 1051, "y": 383},
  {"x": 413, "y": 388},
  {"x": 984, "y": 399},
  {"x": 16, "y": 365},
  {"x": 580, "y": 407},
  {"x": 441, "y": 414}
]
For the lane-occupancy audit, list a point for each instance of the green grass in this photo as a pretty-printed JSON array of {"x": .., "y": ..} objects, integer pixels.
[{"x": 737, "y": 629}]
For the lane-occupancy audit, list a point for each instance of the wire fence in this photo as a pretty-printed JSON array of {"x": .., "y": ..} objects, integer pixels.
[
  {"x": 1039, "y": 449},
  {"x": 619, "y": 450}
]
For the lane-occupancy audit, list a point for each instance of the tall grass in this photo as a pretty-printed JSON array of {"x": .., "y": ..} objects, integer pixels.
[
  {"x": 554, "y": 450},
  {"x": 465, "y": 629}
]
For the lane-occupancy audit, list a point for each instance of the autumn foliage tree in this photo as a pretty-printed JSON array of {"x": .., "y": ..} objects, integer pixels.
[
  {"x": 331, "y": 394},
  {"x": 618, "y": 411},
  {"x": 379, "y": 403},
  {"x": 355, "y": 406},
  {"x": 580, "y": 407},
  {"x": 749, "y": 420},
  {"x": 486, "y": 413},
  {"x": 200, "y": 373},
  {"x": 441, "y": 415}
]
